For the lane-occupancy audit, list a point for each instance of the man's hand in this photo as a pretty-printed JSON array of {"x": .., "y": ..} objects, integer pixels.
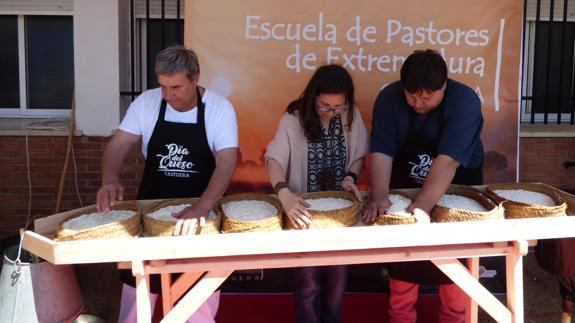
[
  {"x": 348, "y": 185},
  {"x": 112, "y": 159},
  {"x": 295, "y": 208},
  {"x": 107, "y": 195},
  {"x": 190, "y": 220},
  {"x": 420, "y": 212},
  {"x": 377, "y": 206}
]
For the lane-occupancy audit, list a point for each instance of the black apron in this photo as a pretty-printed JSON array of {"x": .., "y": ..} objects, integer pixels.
[
  {"x": 411, "y": 165},
  {"x": 179, "y": 164}
]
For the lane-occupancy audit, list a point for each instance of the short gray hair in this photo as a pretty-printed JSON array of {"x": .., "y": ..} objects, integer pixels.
[{"x": 176, "y": 59}]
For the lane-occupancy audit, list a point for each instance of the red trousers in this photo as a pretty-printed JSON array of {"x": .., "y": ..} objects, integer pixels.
[{"x": 403, "y": 296}]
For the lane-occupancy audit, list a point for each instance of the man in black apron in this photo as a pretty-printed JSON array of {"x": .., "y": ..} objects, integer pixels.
[
  {"x": 180, "y": 161},
  {"x": 426, "y": 133}
]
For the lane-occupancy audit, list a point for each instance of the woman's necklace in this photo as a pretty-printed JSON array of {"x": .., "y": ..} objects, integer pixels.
[{"x": 326, "y": 176}]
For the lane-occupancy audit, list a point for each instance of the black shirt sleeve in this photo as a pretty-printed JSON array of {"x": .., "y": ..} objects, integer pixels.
[{"x": 460, "y": 138}]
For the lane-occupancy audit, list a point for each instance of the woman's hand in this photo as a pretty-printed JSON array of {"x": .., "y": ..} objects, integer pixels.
[
  {"x": 295, "y": 208},
  {"x": 348, "y": 185}
]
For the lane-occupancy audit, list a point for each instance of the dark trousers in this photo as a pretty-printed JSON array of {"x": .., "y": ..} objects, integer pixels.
[
  {"x": 319, "y": 293},
  {"x": 566, "y": 287}
]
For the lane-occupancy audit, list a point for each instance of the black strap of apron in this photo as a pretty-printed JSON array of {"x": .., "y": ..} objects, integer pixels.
[{"x": 201, "y": 107}]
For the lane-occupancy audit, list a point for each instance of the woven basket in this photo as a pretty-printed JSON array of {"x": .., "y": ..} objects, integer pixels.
[
  {"x": 155, "y": 228},
  {"x": 127, "y": 228},
  {"x": 343, "y": 217},
  {"x": 444, "y": 214},
  {"x": 271, "y": 223},
  {"x": 516, "y": 210},
  {"x": 393, "y": 218}
]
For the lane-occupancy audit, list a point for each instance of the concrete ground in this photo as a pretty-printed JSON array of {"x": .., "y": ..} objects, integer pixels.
[{"x": 101, "y": 288}]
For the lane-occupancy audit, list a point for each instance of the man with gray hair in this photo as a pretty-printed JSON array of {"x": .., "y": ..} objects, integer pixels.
[{"x": 190, "y": 142}]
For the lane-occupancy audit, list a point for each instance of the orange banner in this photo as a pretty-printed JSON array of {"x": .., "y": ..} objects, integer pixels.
[{"x": 260, "y": 55}]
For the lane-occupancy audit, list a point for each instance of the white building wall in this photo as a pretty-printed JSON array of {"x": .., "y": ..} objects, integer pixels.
[{"x": 96, "y": 56}]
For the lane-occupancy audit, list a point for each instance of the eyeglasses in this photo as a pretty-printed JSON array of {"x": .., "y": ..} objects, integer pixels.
[{"x": 339, "y": 109}]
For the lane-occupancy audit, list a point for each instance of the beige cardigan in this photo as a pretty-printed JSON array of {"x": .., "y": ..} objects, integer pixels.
[{"x": 289, "y": 147}]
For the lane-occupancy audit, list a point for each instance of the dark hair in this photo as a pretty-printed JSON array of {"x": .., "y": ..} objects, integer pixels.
[
  {"x": 328, "y": 79},
  {"x": 423, "y": 70},
  {"x": 175, "y": 59}
]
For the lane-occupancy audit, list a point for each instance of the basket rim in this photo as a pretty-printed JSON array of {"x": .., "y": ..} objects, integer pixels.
[{"x": 394, "y": 219}]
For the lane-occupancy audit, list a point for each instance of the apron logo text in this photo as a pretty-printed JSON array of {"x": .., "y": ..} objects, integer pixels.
[
  {"x": 419, "y": 171},
  {"x": 173, "y": 164}
]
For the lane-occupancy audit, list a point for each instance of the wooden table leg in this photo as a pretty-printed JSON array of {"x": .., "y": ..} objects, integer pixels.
[
  {"x": 144, "y": 309},
  {"x": 172, "y": 292},
  {"x": 459, "y": 275},
  {"x": 472, "y": 310},
  {"x": 166, "y": 279},
  {"x": 514, "y": 272},
  {"x": 197, "y": 296}
]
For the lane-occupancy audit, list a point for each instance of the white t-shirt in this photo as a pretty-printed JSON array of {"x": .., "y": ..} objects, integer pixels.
[{"x": 220, "y": 119}]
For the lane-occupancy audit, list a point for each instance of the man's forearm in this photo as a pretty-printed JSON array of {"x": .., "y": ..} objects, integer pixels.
[
  {"x": 380, "y": 174},
  {"x": 111, "y": 167},
  {"x": 438, "y": 180},
  {"x": 114, "y": 154},
  {"x": 226, "y": 160}
]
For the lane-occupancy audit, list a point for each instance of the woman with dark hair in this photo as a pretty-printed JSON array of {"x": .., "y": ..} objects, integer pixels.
[{"x": 319, "y": 145}]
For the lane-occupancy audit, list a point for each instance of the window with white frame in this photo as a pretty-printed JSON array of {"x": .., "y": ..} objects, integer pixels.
[
  {"x": 36, "y": 64},
  {"x": 549, "y": 62}
]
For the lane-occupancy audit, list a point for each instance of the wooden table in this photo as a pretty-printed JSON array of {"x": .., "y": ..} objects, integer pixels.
[{"x": 210, "y": 259}]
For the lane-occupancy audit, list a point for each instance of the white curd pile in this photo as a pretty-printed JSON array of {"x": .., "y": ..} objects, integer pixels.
[
  {"x": 399, "y": 205},
  {"x": 91, "y": 220},
  {"x": 165, "y": 213},
  {"x": 328, "y": 204},
  {"x": 454, "y": 201},
  {"x": 526, "y": 197},
  {"x": 249, "y": 210}
]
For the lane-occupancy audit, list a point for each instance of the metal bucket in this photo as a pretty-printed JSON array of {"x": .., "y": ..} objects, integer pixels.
[{"x": 40, "y": 292}]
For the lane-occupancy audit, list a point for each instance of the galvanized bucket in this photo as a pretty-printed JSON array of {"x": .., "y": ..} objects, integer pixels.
[{"x": 37, "y": 291}]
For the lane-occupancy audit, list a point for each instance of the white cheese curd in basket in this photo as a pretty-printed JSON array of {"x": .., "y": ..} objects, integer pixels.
[
  {"x": 328, "y": 204},
  {"x": 399, "y": 205},
  {"x": 454, "y": 201},
  {"x": 165, "y": 213},
  {"x": 249, "y": 210},
  {"x": 90, "y": 220},
  {"x": 527, "y": 197}
]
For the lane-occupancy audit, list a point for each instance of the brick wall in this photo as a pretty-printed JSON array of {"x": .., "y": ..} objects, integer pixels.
[
  {"x": 541, "y": 160},
  {"x": 47, "y": 156}
]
